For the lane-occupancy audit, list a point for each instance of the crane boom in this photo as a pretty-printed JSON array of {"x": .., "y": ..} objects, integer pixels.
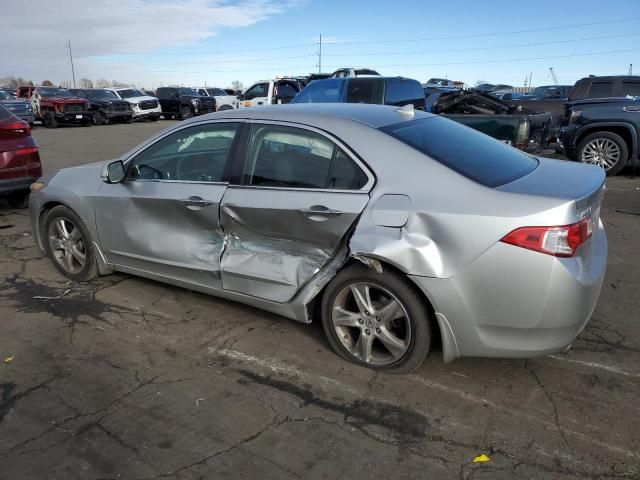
[{"x": 553, "y": 75}]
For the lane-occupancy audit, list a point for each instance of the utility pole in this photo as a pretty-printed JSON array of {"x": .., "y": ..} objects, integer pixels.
[
  {"x": 630, "y": 69},
  {"x": 73, "y": 72},
  {"x": 320, "y": 56},
  {"x": 530, "y": 84}
]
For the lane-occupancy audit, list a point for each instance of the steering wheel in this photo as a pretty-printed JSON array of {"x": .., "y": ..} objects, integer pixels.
[
  {"x": 142, "y": 171},
  {"x": 195, "y": 175}
]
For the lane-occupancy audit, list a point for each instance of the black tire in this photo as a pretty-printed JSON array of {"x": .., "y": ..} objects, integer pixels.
[
  {"x": 418, "y": 315},
  {"x": 87, "y": 124},
  {"x": 128, "y": 120},
  {"x": 90, "y": 268},
  {"x": 18, "y": 200},
  {"x": 98, "y": 118},
  {"x": 167, "y": 116},
  {"x": 49, "y": 120},
  {"x": 605, "y": 137},
  {"x": 185, "y": 113}
]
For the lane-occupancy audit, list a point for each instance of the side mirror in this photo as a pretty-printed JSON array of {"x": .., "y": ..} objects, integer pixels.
[
  {"x": 113, "y": 172},
  {"x": 240, "y": 96}
]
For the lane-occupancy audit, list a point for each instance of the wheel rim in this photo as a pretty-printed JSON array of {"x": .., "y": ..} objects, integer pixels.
[
  {"x": 67, "y": 246},
  {"x": 186, "y": 113},
  {"x": 602, "y": 152},
  {"x": 371, "y": 323}
]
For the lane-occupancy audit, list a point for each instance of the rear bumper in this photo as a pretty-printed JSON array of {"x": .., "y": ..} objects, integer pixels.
[
  {"x": 515, "y": 303},
  {"x": 13, "y": 185}
]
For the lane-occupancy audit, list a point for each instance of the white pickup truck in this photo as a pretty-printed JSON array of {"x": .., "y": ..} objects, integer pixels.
[
  {"x": 224, "y": 101},
  {"x": 268, "y": 92}
]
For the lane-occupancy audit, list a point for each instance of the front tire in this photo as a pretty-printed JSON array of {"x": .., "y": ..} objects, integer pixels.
[
  {"x": 49, "y": 120},
  {"x": 68, "y": 244},
  {"x": 186, "y": 113},
  {"x": 605, "y": 149},
  {"x": 377, "y": 320}
]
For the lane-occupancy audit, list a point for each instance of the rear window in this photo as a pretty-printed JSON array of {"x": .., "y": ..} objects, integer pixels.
[
  {"x": 467, "y": 151},
  {"x": 365, "y": 90},
  {"x": 404, "y": 92}
]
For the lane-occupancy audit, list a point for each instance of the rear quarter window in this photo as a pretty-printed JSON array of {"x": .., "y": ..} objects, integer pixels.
[
  {"x": 464, "y": 150},
  {"x": 631, "y": 88},
  {"x": 404, "y": 92},
  {"x": 365, "y": 90},
  {"x": 600, "y": 90}
]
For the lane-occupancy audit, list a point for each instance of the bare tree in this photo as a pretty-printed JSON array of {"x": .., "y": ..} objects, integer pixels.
[
  {"x": 86, "y": 83},
  {"x": 103, "y": 83},
  {"x": 116, "y": 83},
  {"x": 47, "y": 83},
  {"x": 237, "y": 85},
  {"x": 14, "y": 82},
  {"x": 65, "y": 84}
]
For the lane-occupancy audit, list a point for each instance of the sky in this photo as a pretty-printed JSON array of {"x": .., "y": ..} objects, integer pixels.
[{"x": 151, "y": 43}]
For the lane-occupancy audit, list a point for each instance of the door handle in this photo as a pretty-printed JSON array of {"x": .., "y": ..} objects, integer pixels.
[
  {"x": 320, "y": 212},
  {"x": 195, "y": 203}
]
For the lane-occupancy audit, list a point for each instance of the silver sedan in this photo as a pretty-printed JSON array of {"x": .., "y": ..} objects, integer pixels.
[{"x": 393, "y": 227}]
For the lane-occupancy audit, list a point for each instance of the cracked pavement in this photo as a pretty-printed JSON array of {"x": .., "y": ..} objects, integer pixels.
[{"x": 126, "y": 378}]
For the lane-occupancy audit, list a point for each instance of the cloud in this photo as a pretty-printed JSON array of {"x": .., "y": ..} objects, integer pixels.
[{"x": 111, "y": 28}]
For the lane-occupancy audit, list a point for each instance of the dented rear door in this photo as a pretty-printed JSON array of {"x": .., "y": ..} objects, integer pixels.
[{"x": 299, "y": 195}]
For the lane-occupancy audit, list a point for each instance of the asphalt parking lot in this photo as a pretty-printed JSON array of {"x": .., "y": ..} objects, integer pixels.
[{"x": 126, "y": 378}]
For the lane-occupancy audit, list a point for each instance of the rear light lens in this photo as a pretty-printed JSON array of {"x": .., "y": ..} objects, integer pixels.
[
  {"x": 26, "y": 151},
  {"x": 17, "y": 127},
  {"x": 559, "y": 241}
]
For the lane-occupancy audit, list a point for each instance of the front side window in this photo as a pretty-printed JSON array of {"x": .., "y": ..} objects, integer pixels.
[
  {"x": 195, "y": 154},
  {"x": 600, "y": 90},
  {"x": 257, "y": 91},
  {"x": 464, "y": 150},
  {"x": 297, "y": 158},
  {"x": 365, "y": 90}
]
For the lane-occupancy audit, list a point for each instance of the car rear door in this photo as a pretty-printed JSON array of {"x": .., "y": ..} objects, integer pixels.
[
  {"x": 163, "y": 219},
  {"x": 286, "y": 214}
]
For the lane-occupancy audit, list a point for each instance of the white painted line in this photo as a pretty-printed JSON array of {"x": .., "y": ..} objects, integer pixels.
[
  {"x": 280, "y": 367},
  {"x": 599, "y": 366}
]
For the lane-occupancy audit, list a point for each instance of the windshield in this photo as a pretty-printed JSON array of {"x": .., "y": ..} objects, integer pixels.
[
  {"x": 468, "y": 152},
  {"x": 6, "y": 95},
  {"x": 130, "y": 92},
  {"x": 54, "y": 92},
  {"x": 439, "y": 82},
  {"x": 187, "y": 91},
  {"x": 101, "y": 95}
]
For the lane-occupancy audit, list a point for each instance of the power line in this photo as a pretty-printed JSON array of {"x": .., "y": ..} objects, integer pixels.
[
  {"x": 497, "y": 47},
  {"x": 302, "y": 67},
  {"x": 492, "y": 34}
]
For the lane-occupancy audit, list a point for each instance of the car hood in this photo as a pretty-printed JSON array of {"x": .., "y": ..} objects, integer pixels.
[
  {"x": 63, "y": 100},
  {"x": 139, "y": 99},
  {"x": 105, "y": 103}
]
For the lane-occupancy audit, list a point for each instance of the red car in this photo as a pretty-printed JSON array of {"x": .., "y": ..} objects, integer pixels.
[{"x": 19, "y": 159}]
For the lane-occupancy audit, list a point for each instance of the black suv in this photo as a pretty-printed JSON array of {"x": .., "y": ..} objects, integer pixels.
[
  {"x": 105, "y": 106},
  {"x": 604, "y": 132},
  {"x": 183, "y": 102}
]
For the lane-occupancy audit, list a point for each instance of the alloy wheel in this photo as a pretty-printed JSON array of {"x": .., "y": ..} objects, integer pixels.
[
  {"x": 371, "y": 323},
  {"x": 602, "y": 152},
  {"x": 67, "y": 245}
]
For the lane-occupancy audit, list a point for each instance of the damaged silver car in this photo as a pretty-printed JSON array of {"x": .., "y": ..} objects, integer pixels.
[{"x": 396, "y": 228}]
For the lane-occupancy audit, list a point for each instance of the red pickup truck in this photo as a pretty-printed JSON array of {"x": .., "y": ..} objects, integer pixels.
[{"x": 53, "y": 106}]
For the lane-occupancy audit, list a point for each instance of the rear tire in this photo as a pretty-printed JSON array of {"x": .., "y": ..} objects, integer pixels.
[
  {"x": 394, "y": 321},
  {"x": 98, "y": 118},
  {"x": 605, "y": 149},
  {"x": 71, "y": 250},
  {"x": 18, "y": 200}
]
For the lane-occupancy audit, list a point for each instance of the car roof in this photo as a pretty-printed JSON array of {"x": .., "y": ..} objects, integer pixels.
[{"x": 319, "y": 114}]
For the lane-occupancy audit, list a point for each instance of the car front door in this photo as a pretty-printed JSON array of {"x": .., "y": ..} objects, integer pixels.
[
  {"x": 257, "y": 95},
  {"x": 285, "y": 217},
  {"x": 163, "y": 219}
]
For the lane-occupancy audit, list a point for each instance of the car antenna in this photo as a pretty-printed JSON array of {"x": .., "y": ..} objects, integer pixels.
[{"x": 407, "y": 110}]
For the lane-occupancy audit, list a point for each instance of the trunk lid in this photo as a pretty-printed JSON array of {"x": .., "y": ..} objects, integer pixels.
[{"x": 561, "y": 179}]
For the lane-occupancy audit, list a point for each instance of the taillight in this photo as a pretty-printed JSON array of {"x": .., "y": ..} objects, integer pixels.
[
  {"x": 26, "y": 151},
  {"x": 17, "y": 127},
  {"x": 559, "y": 241}
]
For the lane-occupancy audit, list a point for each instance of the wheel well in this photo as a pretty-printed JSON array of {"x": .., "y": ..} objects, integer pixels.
[
  {"x": 436, "y": 338},
  {"x": 618, "y": 130},
  {"x": 43, "y": 214}
]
